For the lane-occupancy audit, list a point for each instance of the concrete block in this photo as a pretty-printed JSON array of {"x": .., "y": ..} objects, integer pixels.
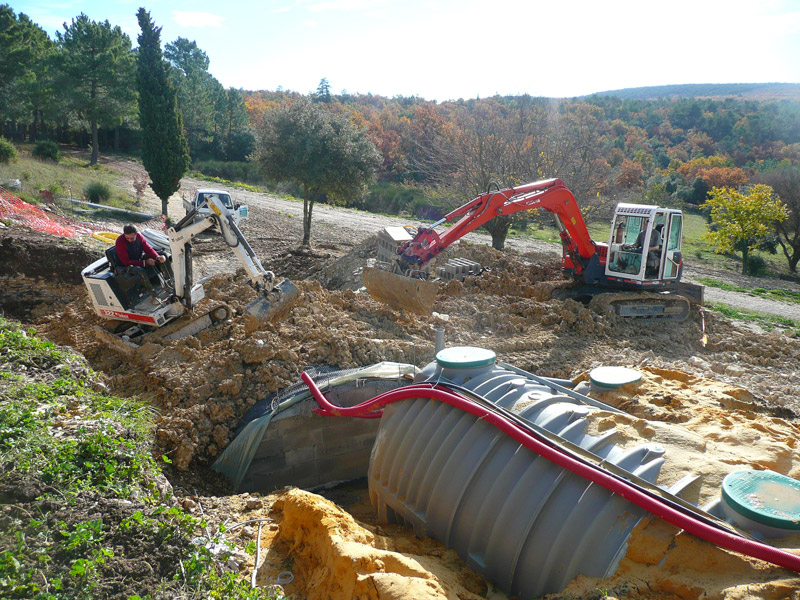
[{"x": 299, "y": 455}]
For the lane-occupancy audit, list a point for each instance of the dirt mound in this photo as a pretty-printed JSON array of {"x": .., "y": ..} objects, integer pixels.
[
  {"x": 338, "y": 558},
  {"x": 40, "y": 255},
  {"x": 204, "y": 384},
  {"x": 28, "y": 298}
]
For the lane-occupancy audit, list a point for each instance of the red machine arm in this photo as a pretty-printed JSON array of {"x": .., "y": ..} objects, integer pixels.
[{"x": 549, "y": 194}]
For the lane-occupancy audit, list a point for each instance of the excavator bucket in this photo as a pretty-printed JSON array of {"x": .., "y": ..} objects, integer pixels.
[
  {"x": 275, "y": 304},
  {"x": 398, "y": 291}
]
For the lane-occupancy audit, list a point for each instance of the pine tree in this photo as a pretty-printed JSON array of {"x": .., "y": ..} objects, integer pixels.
[
  {"x": 96, "y": 65},
  {"x": 165, "y": 152}
]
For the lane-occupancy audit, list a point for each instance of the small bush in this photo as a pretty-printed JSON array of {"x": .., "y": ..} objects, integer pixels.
[
  {"x": 57, "y": 189},
  {"x": 8, "y": 153},
  {"x": 756, "y": 266},
  {"x": 97, "y": 192},
  {"x": 47, "y": 150}
]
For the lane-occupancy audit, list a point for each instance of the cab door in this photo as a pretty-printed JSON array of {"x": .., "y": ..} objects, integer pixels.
[{"x": 673, "y": 257}]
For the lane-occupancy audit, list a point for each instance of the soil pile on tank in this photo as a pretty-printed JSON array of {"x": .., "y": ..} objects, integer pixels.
[{"x": 708, "y": 429}]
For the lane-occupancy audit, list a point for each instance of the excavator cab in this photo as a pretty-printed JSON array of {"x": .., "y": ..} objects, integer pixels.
[{"x": 645, "y": 244}]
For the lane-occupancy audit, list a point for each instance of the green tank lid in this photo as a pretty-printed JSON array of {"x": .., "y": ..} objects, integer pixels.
[
  {"x": 765, "y": 497},
  {"x": 613, "y": 377},
  {"x": 465, "y": 357}
]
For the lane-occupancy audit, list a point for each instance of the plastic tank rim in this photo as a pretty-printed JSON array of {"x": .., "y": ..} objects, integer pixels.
[
  {"x": 740, "y": 492},
  {"x": 465, "y": 357}
]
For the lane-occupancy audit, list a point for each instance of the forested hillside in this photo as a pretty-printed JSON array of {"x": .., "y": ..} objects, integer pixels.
[{"x": 716, "y": 91}]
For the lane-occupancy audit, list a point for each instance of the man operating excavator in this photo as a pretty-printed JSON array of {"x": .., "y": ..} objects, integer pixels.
[{"x": 135, "y": 253}]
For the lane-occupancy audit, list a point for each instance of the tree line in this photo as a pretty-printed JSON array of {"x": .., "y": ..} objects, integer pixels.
[
  {"x": 80, "y": 88},
  {"x": 606, "y": 149}
]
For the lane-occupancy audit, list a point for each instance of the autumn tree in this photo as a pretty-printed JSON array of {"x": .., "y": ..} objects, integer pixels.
[
  {"x": 741, "y": 221},
  {"x": 165, "y": 153},
  {"x": 723, "y": 177},
  {"x": 786, "y": 183},
  {"x": 630, "y": 174},
  {"x": 484, "y": 154},
  {"x": 96, "y": 66},
  {"x": 323, "y": 153}
]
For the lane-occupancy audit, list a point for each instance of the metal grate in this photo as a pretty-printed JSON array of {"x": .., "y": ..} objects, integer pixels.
[{"x": 99, "y": 297}]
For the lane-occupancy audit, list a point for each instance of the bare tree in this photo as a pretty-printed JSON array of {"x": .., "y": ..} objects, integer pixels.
[{"x": 786, "y": 184}]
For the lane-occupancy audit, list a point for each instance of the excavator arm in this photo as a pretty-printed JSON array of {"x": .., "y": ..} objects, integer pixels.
[
  {"x": 181, "y": 236},
  {"x": 271, "y": 297},
  {"x": 548, "y": 194}
]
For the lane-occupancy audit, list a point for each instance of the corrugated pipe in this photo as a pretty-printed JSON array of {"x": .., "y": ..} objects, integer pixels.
[{"x": 654, "y": 505}]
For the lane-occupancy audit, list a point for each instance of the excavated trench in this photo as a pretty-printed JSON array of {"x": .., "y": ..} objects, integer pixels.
[{"x": 203, "y": 385}]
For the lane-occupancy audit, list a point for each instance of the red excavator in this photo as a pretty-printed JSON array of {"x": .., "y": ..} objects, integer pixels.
[{"x": 635, "y": 274}]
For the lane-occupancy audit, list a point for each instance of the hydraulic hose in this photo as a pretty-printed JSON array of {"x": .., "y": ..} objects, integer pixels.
[{"x": 723, "y": 539}]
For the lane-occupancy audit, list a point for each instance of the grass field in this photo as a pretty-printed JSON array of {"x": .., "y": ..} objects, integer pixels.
[{"x": 68, "y": 178}]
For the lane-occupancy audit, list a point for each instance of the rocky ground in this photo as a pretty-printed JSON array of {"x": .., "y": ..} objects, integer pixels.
[{"x": 202, "y": 386}]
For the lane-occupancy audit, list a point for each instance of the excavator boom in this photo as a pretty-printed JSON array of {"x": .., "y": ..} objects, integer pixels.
[
  {"x": 549, "y": 194},
  {"x": 397, "y": 288}
]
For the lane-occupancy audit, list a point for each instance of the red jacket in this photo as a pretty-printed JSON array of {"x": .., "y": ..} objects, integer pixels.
[{"x": 133, "y": 254}]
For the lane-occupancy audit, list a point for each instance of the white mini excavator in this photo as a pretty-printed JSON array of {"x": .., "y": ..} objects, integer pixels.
[{"x": 133, "y": 317}]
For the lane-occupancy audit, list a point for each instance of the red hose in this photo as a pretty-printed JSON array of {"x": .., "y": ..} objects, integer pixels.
[{"x": 718, "y": 537}]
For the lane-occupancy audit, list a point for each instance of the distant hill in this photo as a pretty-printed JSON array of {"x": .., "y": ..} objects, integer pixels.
[{"x": 742, "y": 91}]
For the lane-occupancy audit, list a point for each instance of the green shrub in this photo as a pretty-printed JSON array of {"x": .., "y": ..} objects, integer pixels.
[
  {"x": 47, "y": 150},
  {"x": 395, "y": 199},
  {"x": 756, "y": 266},
  {"x": 97, "y": 192},
  {"x": 8, "y": 153},
  {"x": 57, "y": 189}
]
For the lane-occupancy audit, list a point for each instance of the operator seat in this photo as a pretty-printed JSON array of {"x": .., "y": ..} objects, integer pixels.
[{"x": 125, "y": 282}]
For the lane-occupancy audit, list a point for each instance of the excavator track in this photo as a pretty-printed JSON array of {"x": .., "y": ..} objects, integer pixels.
[
  {"x": 664, "y": 306},
  {"x": 180, "y": 328}
]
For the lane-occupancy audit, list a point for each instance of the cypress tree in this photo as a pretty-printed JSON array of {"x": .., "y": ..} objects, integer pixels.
[{"x": 165, "y": 152}]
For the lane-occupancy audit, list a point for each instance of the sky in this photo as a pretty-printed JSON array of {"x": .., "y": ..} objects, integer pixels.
[{"x": 450, "y": 49}]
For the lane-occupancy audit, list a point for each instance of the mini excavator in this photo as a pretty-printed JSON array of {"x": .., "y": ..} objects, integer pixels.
[
  {"x": 635, "y": 274},
  {"x": 133, "y": 317}
]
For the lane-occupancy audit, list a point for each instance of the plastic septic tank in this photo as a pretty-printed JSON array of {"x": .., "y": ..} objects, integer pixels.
[{"x": 526, "y": 524}]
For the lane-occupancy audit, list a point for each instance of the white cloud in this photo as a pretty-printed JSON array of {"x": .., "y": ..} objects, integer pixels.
[{"x": 196, "y": 19}]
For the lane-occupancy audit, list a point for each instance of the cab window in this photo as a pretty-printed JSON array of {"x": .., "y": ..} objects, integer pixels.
[{"x": 675, "y": 233}]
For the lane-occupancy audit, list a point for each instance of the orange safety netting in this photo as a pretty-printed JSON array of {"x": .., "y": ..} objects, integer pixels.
[{"x": 20, "y": 212}]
